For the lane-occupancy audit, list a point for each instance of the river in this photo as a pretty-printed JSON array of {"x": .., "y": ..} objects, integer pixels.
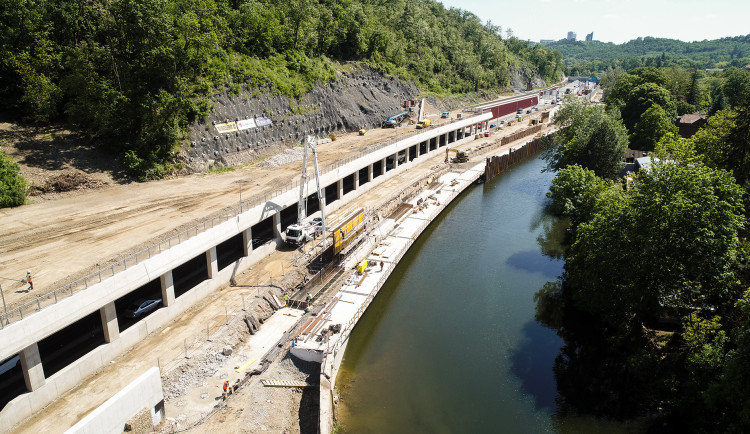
[{"x": 450, "y": 344}]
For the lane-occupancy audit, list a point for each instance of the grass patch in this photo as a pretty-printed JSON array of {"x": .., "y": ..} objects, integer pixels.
[{"x": 222, "y": 169}]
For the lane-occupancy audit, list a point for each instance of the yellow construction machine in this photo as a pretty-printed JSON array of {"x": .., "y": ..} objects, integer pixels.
[{"x": 461, "y": 156}]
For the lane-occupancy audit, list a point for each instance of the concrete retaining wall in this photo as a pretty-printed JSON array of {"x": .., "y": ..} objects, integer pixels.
[
  {"x": 20, "y": 335},
  {"x": 110, "y": 417},
  {"x": 332, "y": 361}
]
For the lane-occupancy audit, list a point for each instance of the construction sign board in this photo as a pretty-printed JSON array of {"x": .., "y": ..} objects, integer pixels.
[
  {"x": 229, "y": 127},
  {"x": 245, "y": 124},
  {"x": 262, "y": 121}
]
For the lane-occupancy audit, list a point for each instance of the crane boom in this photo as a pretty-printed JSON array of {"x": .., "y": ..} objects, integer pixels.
[
  {"x": 302, "y": 208},
  {"x": 311, "y": 140}
]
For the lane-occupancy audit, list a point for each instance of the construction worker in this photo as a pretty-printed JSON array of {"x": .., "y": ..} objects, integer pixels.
[
  {"x": 286, "y": 299},
  {"x": 226, "y": 388},
  {"x": 28, "y": 280},
  {"x": 309, "y": 298}
]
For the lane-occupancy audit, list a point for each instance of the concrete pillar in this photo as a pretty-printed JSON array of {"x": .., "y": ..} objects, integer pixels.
[
  {"x": 31, "y": 365},
  {"x": 340, "y": 187},
  {"x": 369, "y": 173},
  {"x": 109, "y": 322},
  {"x": 419, "y": 148},
  {"x": 211, "y": 264},
  {"x": 167, "y": 288},
  {"x": 247, "y": 241},
  {"x": 395, "y": 160},
  {"x": 277, "y": 222},
  {"x": 382, "y": 166},
  {"x": 356, "y": 180}
]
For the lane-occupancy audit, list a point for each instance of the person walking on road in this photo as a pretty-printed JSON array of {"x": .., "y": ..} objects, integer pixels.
[{"x": 28, "y": 280}]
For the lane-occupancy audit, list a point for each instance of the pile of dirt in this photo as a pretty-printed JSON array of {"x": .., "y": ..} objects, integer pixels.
[{"x": 66, "y": 181}]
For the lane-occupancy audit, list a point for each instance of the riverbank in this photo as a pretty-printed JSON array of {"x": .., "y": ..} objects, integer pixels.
[
  {"x": 294, "y": 409},
  {"x": 323, "y": 338}
]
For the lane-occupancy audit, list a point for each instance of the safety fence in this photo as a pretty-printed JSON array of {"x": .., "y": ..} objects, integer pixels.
[{"x": 19, "y": 312}]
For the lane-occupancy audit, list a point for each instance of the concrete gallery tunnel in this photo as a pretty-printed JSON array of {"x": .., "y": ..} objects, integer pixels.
[
  {"x": 11, "y": 380},
  {"x": 230, "y": 251},
  {"x": 67, "y": 345},
  {"x": 262, "y": 232},
  {"x": 188, "y": 275},
  {"x": 124, "y": 304}
]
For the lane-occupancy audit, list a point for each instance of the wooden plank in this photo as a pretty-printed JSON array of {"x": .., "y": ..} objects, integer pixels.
[
  {"x": 277, "y": 300},
  {"x": 362, "y": 279},
  {"x": 286, "y": 383},
  {"x": 245, "y": 365}
]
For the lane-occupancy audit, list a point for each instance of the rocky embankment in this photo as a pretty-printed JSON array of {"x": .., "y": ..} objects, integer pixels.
[{"x": 234, "y": 133}]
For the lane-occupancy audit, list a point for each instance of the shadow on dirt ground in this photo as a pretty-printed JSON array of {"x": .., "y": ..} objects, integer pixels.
[{"x": 54, "y": 148}]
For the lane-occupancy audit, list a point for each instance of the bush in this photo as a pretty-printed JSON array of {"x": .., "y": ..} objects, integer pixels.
[{"x": 12, "y": 184}]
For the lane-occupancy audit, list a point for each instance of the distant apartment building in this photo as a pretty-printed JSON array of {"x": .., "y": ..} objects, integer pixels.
[
  {"x": 546, "y": 41},
  {"x": 571, "y": 36},
  {"x": 590, "y": 37}
]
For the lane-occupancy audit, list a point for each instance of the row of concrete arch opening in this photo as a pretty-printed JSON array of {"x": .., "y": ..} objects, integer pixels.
[{"x": 67, "y": 345}]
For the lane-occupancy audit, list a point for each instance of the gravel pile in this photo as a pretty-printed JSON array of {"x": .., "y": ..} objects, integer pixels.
[{"x": 288, "y": 156}]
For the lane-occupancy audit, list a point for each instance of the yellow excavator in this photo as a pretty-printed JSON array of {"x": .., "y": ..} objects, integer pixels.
[{"x": 461, "y": 156}]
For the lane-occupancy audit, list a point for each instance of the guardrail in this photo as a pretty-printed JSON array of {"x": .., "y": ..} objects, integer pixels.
[{"x": 18, "y": 313}]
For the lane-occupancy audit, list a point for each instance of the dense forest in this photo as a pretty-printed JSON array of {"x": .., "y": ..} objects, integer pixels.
[
  {"x": 133, "y": 74},
  {"x": 653, "y": 304},
  {"x": 588, "y": 58}
]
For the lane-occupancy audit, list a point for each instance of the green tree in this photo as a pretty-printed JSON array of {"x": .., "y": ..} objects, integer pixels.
[
  {"x": 574, "y": 192},
  {"x": 725, "y": 141},
  {"x": 589, "y": 137},
  {"x": 643, "y": 97},
  {"x": 736, "y": 86},
  {"x": 653, "y": 125},
  {"x": 669, "y": 241},
  {"x": 12, "y": 184}
]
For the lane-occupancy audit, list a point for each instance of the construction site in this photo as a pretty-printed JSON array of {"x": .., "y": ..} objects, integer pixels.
[{"x": 223, "y": 300}]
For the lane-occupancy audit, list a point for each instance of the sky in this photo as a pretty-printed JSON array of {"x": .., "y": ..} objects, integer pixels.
[{"x": 615, "y": 21}]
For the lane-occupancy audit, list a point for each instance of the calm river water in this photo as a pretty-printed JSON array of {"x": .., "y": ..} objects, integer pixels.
[{"x": 450, "y": 345}]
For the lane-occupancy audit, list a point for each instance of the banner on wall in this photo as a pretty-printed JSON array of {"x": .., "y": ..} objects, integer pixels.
[
  {"x": 262, "y": 121},
  {"x": 229, "y": 127},
  {"x": 246, "y": 124}
]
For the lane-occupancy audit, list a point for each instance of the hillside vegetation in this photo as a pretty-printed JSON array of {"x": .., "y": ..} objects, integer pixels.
[
  {"x": 590, "y": 57},
  {"x": 133, "y": 74}
]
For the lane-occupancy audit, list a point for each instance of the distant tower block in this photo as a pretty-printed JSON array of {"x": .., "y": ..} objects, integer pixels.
[
  {"x": 571, "y": 36},
  {"x": 590, "y": 37}
]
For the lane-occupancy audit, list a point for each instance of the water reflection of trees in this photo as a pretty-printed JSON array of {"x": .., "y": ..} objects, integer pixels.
[
  {"x": 554, "y": 236},
  {"x": 594, "y": 369}
]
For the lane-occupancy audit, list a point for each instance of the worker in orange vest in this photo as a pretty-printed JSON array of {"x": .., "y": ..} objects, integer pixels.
[{"x": 28, "y": 280}]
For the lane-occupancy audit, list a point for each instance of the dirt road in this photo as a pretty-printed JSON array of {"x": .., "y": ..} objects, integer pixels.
[{"x": 61, "y": 240}]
